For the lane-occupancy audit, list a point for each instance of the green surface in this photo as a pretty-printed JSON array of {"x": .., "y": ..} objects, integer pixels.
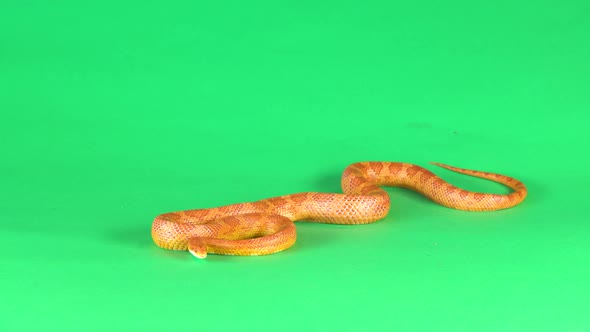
[{"x": 112, "y": 113}]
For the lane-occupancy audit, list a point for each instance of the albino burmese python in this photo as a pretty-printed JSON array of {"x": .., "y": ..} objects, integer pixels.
[{"x": 266, "y": 226}]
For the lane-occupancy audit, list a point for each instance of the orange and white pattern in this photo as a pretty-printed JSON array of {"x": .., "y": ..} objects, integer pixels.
[{"x": 267, "y": 226}]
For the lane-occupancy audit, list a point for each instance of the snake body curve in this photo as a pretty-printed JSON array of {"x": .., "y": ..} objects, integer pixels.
[{"x": 267, "y": 226}]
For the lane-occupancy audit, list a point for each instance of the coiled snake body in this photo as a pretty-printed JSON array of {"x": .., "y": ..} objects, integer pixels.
[{"x": 266, "y": 226}]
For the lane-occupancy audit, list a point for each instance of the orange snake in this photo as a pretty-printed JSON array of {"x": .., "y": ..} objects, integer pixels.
[{"x": 266, "y": 226}]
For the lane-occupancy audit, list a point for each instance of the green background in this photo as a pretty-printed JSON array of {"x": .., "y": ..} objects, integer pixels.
[{"x": 112, "y": 113}]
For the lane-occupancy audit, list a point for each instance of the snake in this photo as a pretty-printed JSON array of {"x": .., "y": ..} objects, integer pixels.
[{"x": 267, "y": 226}]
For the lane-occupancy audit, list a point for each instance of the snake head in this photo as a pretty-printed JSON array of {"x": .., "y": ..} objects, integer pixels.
[{"x": 197, "y": 248}]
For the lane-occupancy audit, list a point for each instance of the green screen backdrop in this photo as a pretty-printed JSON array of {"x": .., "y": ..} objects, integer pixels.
[{"x": 113, "y": 112}]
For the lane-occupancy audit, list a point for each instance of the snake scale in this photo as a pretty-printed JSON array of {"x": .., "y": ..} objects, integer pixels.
[{"x": 267, "y": 226}]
